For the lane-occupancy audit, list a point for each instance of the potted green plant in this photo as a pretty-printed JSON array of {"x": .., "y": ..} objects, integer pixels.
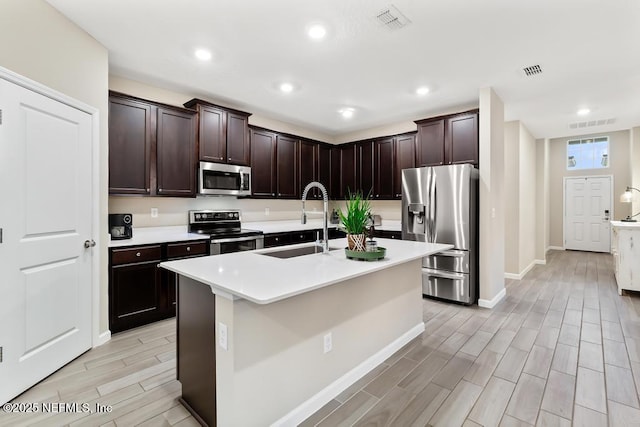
[{"x": 355, "y": 220}]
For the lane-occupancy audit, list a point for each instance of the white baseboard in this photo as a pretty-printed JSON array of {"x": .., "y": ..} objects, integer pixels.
[
  {"x": 309, "y": 407},
  {"x": 555, "y": 248},
  {"x": 520, "y": 275},
  {"x": 541, "y": 261},
  {"x": 492, "y": 303},
  {"x": 103, "y": 338}
]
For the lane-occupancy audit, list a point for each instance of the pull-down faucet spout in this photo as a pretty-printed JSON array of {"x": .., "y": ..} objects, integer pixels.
[{"x": 325, "y": 216}]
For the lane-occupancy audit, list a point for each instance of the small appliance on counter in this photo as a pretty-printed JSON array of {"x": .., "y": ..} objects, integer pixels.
[{"x": 121, "y": 226}]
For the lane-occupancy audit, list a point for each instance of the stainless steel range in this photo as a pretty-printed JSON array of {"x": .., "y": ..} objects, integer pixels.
[{"x": 224, "y": 228}]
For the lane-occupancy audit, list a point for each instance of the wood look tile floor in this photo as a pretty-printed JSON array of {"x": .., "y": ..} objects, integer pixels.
[{"x": 561, "y": 349}]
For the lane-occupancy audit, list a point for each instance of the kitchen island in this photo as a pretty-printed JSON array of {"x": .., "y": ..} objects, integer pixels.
[{"x": 266, "y": 340}]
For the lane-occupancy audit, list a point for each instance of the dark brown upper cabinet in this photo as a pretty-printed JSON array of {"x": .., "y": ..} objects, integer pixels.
[
  {"x": 448, "y": 139},
  {"x": 365, "y": 168},
  {"x": 335, "y": 175},
  {"x": 151, "y": 148},
  {"x": 274, "y": 164},
  {"x": 461, "y": 138},
  {"x": 129, "y": 146},
  {"x": 263, "y": 163},
  {"x": 348, "y": 181},
  {"x": 383, "y": 171},
  {"x": 405, "y": 157},
  {"x": 324, "y": 168},
  {"x": 176, "y": 143},
  {"x": 287, "y": 167},
  {"x": 223, "y": 133},
  {"x": 308, "y": 166},
  {"x": 430, "y": 143}
]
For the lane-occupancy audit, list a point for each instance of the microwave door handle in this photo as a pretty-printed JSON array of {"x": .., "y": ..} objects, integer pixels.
[{"x": 241, "y": 181}]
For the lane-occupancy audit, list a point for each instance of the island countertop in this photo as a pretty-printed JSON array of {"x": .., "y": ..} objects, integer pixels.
[{"x": 264, "y": 279}]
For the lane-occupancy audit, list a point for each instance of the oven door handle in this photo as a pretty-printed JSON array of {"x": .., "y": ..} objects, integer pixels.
[
  {"x": 444, "y": 274},
  {"x": 237, "y": 239}
]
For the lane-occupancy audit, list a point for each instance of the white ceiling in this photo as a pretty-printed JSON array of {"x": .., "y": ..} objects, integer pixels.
[{"x": 588, "y": 50}]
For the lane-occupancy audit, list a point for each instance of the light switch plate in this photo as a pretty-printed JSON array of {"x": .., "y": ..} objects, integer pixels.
[
  {"x": 154, "y": 212},
  {"x": 222, "y": 335}
]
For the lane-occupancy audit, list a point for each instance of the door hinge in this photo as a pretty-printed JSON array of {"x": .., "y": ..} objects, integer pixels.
[
  {"x": 0, "y": 117},
  {"x": 0, "y": 235},
  {"x": 0, "y": 354}
]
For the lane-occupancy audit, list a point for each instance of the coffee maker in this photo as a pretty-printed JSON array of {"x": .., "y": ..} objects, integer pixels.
[{"x": 120, "y": 226}]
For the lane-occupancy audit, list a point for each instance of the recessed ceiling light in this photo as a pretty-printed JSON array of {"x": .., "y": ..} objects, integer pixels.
[
  {"x": 423, "y": 90},
  {"x": 203, "y": 54},
  {"x": 286, "y": 87},
  {"x": 317, "y": 31},
  {"x": 347, "y": 112},
  {"x": 583, "y": 111}
]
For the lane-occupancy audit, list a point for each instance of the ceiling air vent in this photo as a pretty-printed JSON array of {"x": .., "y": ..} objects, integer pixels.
[
  {"x": 392, "y": 18},
  {"x": 591, "y": 123},
  {"x": 532, "y": 70}
]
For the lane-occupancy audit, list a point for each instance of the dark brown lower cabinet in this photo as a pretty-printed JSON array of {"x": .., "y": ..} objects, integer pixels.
[
  {"x": 135, "y": 287},
  {"x": 139, "y": 291}
]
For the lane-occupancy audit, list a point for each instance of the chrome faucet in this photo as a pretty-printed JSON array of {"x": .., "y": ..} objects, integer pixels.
[{"x": 325, "y": 199}]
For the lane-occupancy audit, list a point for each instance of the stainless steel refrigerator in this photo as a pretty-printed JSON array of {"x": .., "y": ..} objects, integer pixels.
[{"x": 439, "y": 205}]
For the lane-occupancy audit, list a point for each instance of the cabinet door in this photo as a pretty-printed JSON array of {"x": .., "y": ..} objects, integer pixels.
[
  {"x": 176, "y": 166},
  {"x": 461, "y": 139},
  {"x": 287, "y": 167},
  {"x": 308, "y": 163},
  {"x": 324, "y": 167},
  {"x": 129, "y": 146},
  {"x": 347, "y": 170},
  {"x": 238, "y": 147},
  {"x": 365, "y": 168},
  {"x": 134, "y": 295},
  {"x": 405, "y": 154},
  {"x": 431, "y": 143},
  {"x": 335, "y": 167},
  {"x": 263, "y": 148},
  {"x": 384, "y": 168},
  {"x": 211, "y": 137}
]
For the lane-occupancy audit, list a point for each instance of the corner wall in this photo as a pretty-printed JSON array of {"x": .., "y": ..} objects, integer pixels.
[
  {"x": 492, "y": 216},
  {"x": 43, "y": 45},
  {"x": 635, "y": 168}
]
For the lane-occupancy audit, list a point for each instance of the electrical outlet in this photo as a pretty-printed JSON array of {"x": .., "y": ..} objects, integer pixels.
[
  {"x": 328, "y": 344},
  {"x": 266, "y": 211},
  {"x": 154, "y": 212},
  {"x": 222, "y": 335},
  {"x": 493, "y": 212}
]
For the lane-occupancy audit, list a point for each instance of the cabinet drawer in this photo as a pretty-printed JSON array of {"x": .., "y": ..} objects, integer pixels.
[
  {"x": 136, "y": 254},
  {"x": 276, "y": 239},
  {"x": 187, "y": 249},
  {"x": 304, "y": 236}
]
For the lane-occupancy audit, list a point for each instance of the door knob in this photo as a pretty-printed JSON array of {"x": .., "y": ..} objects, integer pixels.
[{"x": 89, "y": 243}]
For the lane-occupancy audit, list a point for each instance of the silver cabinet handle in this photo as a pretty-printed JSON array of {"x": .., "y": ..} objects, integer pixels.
[
  {"x": 89, "y": 244},
  {"x": 188, "y": 248},
  {"x": 138, "y": 254}
]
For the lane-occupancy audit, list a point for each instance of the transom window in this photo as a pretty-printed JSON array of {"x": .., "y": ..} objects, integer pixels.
[{"x": 588, "y": 153}]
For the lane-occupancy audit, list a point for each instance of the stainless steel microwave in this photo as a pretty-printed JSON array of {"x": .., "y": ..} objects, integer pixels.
[{"x": 220, "y": 179}]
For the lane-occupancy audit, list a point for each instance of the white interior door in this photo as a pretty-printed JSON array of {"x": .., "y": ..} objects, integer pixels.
[
  {"x": 587, "y": 214},
  {"x": 46, "y": 217}
]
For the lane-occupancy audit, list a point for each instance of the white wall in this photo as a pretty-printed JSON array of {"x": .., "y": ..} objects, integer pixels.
[
  {"x": 43, "y": 45},
  {"x": 542, "y": 200},
  {"x": 634, "y": 158},
  {"x": 527, "y": 200},
  {"x": 619, "y": 154},
  {"x": 512, "y": 190},
  {"x": 492, "y": 216}
]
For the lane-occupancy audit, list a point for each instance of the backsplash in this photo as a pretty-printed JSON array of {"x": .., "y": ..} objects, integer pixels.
[{"x": 173, "y": 210}]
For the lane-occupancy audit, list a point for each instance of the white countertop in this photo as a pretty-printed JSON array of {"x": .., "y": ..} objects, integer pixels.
[
  {"x": 312, "y": 224},
  {"x": 264, "y": 279},
  {"x": 152, "y": 235},
  {"x": 623, "y": 224},
  {"x": 178, "y": 233}
]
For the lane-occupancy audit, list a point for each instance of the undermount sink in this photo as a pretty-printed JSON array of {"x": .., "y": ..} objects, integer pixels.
[{"x": 292, "y": 253}]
